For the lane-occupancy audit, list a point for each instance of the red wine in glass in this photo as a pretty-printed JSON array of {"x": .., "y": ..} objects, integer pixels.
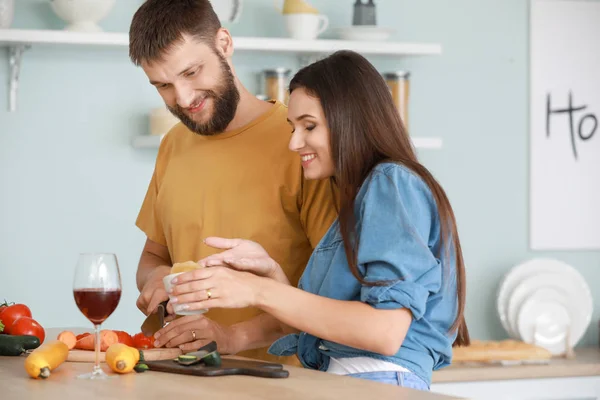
[
  {"x": 97, "y": 304},
  {"x": 97, "y": 292}
]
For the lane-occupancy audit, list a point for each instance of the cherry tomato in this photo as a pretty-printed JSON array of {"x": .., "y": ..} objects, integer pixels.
[
  {"x": 28, "y": 326},
  {"x": 9, "y": 314},
  {"x": 141, "y": 341},
  {"x": 125, "y": 338}
]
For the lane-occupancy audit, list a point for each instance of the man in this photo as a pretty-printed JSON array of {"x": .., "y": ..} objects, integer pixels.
[{"x": 225, "y": 170}]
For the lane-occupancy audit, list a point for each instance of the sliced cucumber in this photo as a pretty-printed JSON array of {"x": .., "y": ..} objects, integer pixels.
[
  {"x": 187, "y": 360},
  {"x": 186, "y": 357}
]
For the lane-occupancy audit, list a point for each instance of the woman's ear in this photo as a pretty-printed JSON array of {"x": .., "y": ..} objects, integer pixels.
[{"x": 224, "y": 43}]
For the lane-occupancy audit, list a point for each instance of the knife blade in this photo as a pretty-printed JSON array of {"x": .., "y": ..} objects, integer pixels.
[
  {"x": 204, "y": 350},
  {"x": 155, "y": 321}
]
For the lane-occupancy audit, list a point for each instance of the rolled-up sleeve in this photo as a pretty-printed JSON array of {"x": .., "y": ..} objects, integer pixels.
[{"x": 398, "y": 232}]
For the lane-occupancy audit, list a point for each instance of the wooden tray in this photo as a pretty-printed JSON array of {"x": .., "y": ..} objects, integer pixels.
[
  {"x": 228, "y": 367},
  {"x": 150, "y": 355}
]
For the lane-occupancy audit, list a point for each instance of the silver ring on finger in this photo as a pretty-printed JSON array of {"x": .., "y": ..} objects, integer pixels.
[
  {"x": 194, "y": 335},
  {"x": 208, "y": 294}
]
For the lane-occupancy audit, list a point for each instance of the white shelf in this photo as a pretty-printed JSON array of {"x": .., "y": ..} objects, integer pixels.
[
  {"x": 32, "y": 37},
  {"x": 324, "y": 46},
  {"x": 19, "y": 40},
  {"x": 153, "y": 141},
  {"x": 14, "y": 37},
  {"x": 427, "y": 142}
]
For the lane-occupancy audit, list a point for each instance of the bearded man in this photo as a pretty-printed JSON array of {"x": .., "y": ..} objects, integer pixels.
[{"x": 225, "y": 170}]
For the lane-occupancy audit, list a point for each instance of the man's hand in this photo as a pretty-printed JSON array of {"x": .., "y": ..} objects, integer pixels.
[
  {"x": 153, "y": 292},
  {"x": 191, "y": 332},
  {"x": 243, "y": 255}
]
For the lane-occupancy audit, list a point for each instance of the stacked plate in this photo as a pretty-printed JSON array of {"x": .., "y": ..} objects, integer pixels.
[{"x": 545, "y": 302}]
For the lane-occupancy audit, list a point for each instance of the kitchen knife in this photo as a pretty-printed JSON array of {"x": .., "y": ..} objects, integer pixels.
[{"x": 155, "y": 321}]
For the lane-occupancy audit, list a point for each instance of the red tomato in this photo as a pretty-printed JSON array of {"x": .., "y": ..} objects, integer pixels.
[
  {"x": 141, "y": 341},
  {"x": 125, "y": 338},
  {"x": 28, "y": 326},
  {"x": 9, "y": 314}
]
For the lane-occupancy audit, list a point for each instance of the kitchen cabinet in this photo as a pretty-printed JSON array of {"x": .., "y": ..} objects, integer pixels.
[
  {"x": 575, "y": 378},
  {"x": 576, "y": 388}
]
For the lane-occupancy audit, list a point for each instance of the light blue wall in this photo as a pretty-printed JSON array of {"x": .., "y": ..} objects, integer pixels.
[{"x": 70, "y": 181}]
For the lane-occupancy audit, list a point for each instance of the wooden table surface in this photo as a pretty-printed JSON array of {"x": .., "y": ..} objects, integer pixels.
[{"x": 301, "y": 384}]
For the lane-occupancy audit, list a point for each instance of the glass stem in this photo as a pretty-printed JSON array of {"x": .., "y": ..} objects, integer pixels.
[{"x": 97, "y": 348}]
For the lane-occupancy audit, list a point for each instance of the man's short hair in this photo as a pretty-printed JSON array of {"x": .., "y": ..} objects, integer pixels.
[{"x": 160, "y": 24}]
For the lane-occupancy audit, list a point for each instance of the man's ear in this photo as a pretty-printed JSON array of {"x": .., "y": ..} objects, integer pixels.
[{"x": 224, "y": 43}]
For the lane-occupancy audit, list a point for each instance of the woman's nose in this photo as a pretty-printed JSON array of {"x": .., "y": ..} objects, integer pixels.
[{"x": 296, "y": 142}]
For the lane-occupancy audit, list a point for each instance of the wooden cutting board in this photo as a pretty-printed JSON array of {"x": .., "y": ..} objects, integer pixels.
[
  {"x": 228, "y": 367},
  {"x": 149, "y": 355}
]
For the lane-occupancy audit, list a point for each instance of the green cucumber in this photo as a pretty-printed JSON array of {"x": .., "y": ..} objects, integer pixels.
[
  {"x": 15, "y": 345},
  {"x": 212, "y": 359},
  {"x": 141, "y": 368}
]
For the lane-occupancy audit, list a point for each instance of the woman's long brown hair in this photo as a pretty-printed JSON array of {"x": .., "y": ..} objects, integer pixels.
[{"x": 365, "y": 130}]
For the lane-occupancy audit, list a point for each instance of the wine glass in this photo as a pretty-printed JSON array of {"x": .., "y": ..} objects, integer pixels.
[{"x": 97, "y": 291}]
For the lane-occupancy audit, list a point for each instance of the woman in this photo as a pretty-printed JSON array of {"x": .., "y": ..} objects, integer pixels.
[{"x": 383, "y": 294}]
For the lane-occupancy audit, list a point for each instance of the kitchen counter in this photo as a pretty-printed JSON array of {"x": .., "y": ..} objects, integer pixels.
[
  {"x": 585, "y": 363},
  {"x": 301, "y": 384}
]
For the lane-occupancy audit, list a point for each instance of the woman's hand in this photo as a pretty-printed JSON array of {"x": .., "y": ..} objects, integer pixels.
[
  {"x": 243, "y": 255},
  {"x": 215, "y": 287}
]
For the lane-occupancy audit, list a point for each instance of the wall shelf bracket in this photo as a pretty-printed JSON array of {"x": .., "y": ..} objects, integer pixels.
[{"x": 15, "y": 56}]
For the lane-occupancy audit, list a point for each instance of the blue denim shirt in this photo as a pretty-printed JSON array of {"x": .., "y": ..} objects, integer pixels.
[{"x": 399, "y": 239}]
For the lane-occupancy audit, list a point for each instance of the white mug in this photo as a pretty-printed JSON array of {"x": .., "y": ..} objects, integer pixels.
[
  {"x": 305, "y": 26},
  {"x": 177, "y": 307}
]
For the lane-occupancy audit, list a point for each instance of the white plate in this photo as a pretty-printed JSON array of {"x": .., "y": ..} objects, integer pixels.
[
  {"x": 535, "y": 267},
  {"x": 543, "y": 320},
  {"x": 567, "y": 291},
  {"x": 363, "y": 32}
]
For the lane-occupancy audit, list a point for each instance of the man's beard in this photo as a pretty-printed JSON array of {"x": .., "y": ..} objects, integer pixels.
[{"x": 225, "y": 100}]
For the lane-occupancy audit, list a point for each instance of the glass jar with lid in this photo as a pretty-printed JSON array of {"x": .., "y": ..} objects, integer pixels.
[
  {"x": 399, "y": 84},
  {"x": 275, "y": 83}
]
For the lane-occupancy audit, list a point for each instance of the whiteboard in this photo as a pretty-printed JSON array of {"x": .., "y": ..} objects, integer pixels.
[{"x": 564, "y": 132}]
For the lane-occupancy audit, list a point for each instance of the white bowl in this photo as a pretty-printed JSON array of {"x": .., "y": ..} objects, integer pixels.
[{"x": 82, "y": 15}]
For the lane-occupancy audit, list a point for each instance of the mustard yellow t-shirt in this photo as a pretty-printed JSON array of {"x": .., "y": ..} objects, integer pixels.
[{"x": 244, "y": 184}]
